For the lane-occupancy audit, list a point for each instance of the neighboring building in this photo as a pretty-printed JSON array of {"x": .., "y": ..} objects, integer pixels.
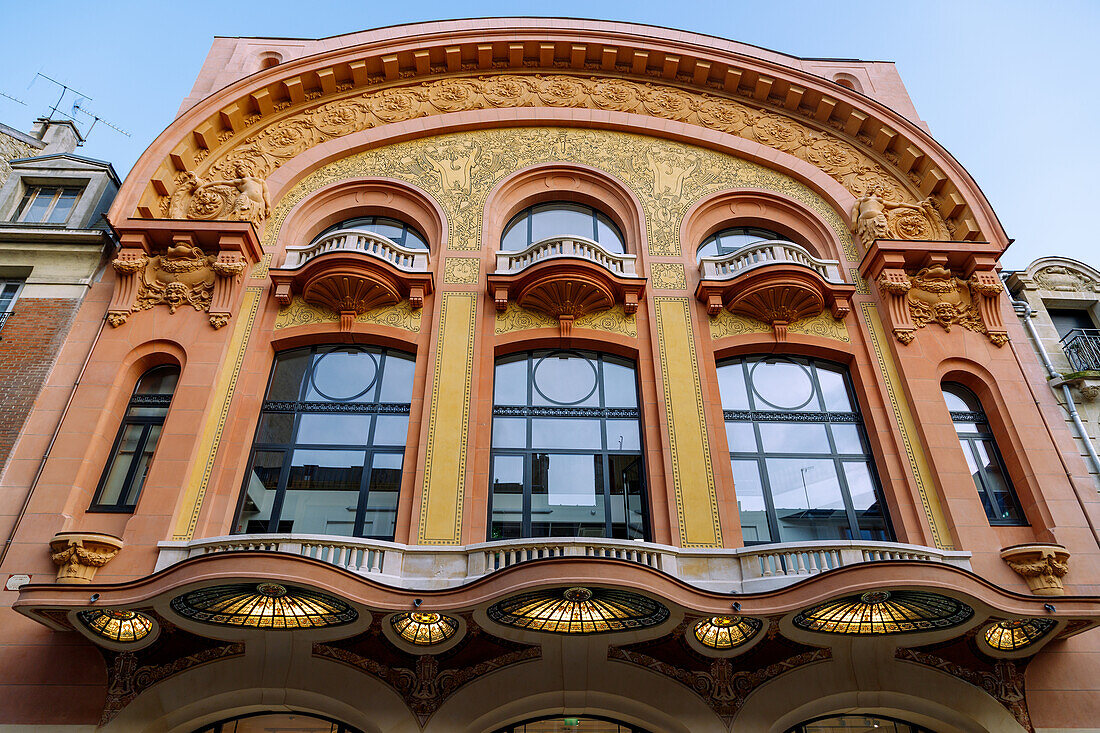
[
  {"x": 54, "y": 243},
  {"x": 1064, "y": 297},
  {"x": 550, "y": 375}
]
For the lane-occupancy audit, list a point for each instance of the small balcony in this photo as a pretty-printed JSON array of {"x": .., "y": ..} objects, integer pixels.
[
  {"x": 566, "y": 278},
  {"x": 362, "y": 241},
  {"x": 727, "y": 267},
  {"x": 742, "y": 570},
  {"x": 1082, "y": 347}
]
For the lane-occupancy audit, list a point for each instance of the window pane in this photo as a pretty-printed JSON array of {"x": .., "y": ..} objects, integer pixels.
[
  {"x": 391, "y": 430},
  {"x": 565, "y": 378},
  {"x": 807, "y": 498},
  {"x": 510, "y": 385},
  {"x": 740, "y": 437},
  {"x": 328, "y": 429},
  {"x": 750, "y": 502},
  {"x": 64, "y": 206},
  {"x": 561, "y": 220},
  {"x": 276, "y": 427},
  {"x": 380, "y": 517},
  {"x": 708, "y": 248},
  {"x": 507, "y": 497},
  {"x": 608, "y": 236},
  {"x": 565, "y": 433},
  {"x": 397, "y": 379},
  {"x": 509, "y": 432},
  {"x": 286, "y": 380},
  {"x": 627, "y": 497},
  {"x": 120, "y": 465},
  {"x": 623, "y": 435},
  {"x": 847, "y": 439},
  {"x": 36, "y": 212},
  {"x": 620, "y": 388},
  {"x": 388, "y": 230},
  {"x": 731, "y": 386},
  {"x": 1003, "y": 498},
  {"x": 131, "y": 494},
  {"x": 869, "y": 514},
  {"x": 782, "y": 385},
  {"x": 515, "y": 239},
  {"x": 343, "y": 374},
  {"x": 834, "y": 390},
  {"x": 959, "y": 399},
  {"x": 259, "y": 493},
  {"x": 567, "y": 496},
  {"x": 322, "y": 493},
  {"x": 159, "y": 380},
  {"x": 794, "y": 438},
  {"x": 964, "y": 427}
]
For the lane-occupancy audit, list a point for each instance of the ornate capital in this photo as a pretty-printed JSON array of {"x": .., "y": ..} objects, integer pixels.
[
  {"x": 1043, "y": 566},
  {"x": 78, "y": 555}
]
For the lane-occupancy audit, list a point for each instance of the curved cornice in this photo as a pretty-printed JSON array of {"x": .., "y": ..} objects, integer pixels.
[{"x": 687, "y": 62}]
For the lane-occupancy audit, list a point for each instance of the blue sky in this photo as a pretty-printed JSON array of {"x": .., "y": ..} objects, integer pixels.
[{"x": 1008, "y": 87}]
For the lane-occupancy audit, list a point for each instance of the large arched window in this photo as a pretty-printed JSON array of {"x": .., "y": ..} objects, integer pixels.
[
  {"x": 801, "y": 466},
  {"x": 857, "y": 724},
  {"x": 330, "y": 444},
  {"x": 728, "y": 241},
  {"x": 132, "y": 453},
  {"x": 982, "y": 456},
  {"x": 280, "y": 721},
  {"x": 394, "y": 230},
  {"x": 566, "y": 447},
  {"x": 571, "y": 724},
  {"x": 561, "y": 219}
]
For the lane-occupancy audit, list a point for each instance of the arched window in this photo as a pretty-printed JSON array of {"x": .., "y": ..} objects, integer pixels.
[
  {"x": 122, "y": 479},
  {"x": 982, "y": 456},
  {"x": 281, "y": 721},
  {"x": 728, "y": 241},
  {"x": 857, "y": 724},
  {"x": 394, "y": 230},
  {"x": 566, "y": 447},
  {"x": 329, "y": 448},
  {"x": 561, "y": 219},
  {"x": 571, "y": 724},
  {"x": 801, "y": 466}
]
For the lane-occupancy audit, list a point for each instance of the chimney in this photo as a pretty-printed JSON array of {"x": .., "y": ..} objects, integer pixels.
[{"x": 60, "y": 136}]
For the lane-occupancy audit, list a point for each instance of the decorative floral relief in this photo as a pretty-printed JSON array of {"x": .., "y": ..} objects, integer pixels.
[
  {"x": 667, "y": 276},
  {"x": 461, "y": 270},
  {"x": 610, "y": 320},
  {"x": 822, "y": 325},
  {"x": 1060, "y": 277},
  {"x": 731, "y": 324},
  {"x": 937, "y": 296},
  {"x": 877, "y": 215},
  {"x": 300, "y": 313}
]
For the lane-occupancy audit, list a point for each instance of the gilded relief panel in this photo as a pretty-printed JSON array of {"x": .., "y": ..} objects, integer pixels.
[
  {"x": 611, "y": 320},
  {"x": 822, "y": 325},
  {"x": 300, "y": 313}
]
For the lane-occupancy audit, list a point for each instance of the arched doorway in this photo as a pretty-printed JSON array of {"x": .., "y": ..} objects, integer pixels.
[{"x": 282, "y": 722}]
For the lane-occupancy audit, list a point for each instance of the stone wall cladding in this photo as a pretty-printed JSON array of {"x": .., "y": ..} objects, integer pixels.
[
  {"x": 29, "y": 345},
  {"x": 10, "y": 149}
]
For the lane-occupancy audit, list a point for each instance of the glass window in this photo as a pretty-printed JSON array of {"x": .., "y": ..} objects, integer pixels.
[
  {"x": 857, "y": 724},
  {"x": 1068, "y": 320},
  {"x": 571, "y": 724},
  {"x": 982, "y": 456},
  {"x": 728, "y": 241},
  {"x": 566, "y": 447},
  {"x": 132, "y": 453},
  {"x": 394, "y": 230},
  {"x": 330, "y": 444},
  {"x": 560, "y": 219},
  {"x": 47, "y": 204},
  {"x": 801, "y": 468},
  {"x": 281, "y": 721}
]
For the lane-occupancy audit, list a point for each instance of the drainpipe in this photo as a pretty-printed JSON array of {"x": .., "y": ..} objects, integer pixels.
[{"x": 1024, "y": 311}]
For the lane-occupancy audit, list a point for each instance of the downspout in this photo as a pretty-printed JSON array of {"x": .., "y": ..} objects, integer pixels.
[{"x": 1024, "y": 311}]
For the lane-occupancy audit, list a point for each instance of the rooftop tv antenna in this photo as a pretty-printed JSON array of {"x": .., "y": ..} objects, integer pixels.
[
  {"x": 96, "y": 118},
  {"x": 77, "y": 106},
  {"x": 14, "y": 99}
]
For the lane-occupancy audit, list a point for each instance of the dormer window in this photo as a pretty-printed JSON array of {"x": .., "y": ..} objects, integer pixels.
[
  {"x": 561, "y": 219},
  {"x": 47, "y": 204}
]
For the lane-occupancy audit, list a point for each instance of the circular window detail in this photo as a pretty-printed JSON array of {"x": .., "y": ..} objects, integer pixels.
[
  {"x": 1016, "y": 634},
  {"x": 263, "y": 606},
  {"x": 565, "y": 377},
  {"x": 579, "y": 611},
  {"x": 725, "y": 632},
  {"x": 783, "y": 384},
  {"x": 424, "y": 629},
  {"x": 885, "y": 612},
  {"x": 344, "y": 374},
  {"x": 121, "y": 626}
]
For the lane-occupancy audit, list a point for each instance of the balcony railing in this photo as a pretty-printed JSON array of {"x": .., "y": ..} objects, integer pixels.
[
  {"x": 1082, "y": 347},
  {"x": 741, "y": 570},
  {"x": 727, "y": 267},
  {"x": 358, "y": 240},
  {"x": 510, "y": 263}
]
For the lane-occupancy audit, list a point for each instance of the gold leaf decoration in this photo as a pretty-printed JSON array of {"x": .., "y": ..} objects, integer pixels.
[
  {"x": 461, "y": 270},
  {"x": 730, "y": 324},
  {"x": 300, "y": 313},
  {"x": 515, "y": 318},
  {"x": 667, "y": 276},
  {"x": 822, "y": 325}
]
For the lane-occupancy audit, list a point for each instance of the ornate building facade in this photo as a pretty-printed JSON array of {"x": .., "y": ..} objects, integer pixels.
[{"x": 546, "y": 375}]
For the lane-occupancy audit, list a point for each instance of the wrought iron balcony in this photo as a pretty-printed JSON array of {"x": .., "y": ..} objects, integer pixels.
[
  {"x": 359, "y": 240},
  {"x": 511, "y": 263},
  {"x": 4, "y": 318},
  {"x": 1082, "y": 347},
  {"x": 740, "y": 570},
  {"x": 726, "y": 267}
]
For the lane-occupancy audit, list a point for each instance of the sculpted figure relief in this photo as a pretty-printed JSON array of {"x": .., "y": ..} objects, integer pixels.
[
  {"x": 937, "y": 296},
  {"x": 878, "y": 217},
  {"x": 243, "y": 197}
]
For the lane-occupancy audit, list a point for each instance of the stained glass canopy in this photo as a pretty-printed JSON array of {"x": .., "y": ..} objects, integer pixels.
[
  {"x": 1016, "y": 634},
  {"x": 578, "y": 611},
  {"x": 885, "y": 612},
  {"x": 264, "y": 606},
  {"x": 424, "y": 629},
  {"x": 725, "y": 632},
  {"x": 121, "y": 626}
]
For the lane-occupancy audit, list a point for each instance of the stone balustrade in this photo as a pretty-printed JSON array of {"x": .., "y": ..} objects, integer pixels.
[
  {"x": 510, "y": 263},
  {"x": 727, "y": 267},
  {"x": 741, "y": 570},
  {"x": 359, "y": 240}
]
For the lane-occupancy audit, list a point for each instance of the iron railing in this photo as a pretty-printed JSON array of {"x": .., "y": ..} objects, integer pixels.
[
  {"x": 1082, "y": 347},
  {"x": 4, "y": 319}
]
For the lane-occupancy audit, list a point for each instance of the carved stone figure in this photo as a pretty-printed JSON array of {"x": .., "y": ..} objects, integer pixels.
[
  {"x": 250, "y": 202},
  {"x": 937, "y": 296},
  {"x": 878, "y": 217},
  {"x": 183, "y": 275}
]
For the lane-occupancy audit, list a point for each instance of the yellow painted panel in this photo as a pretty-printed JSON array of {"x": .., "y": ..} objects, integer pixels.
[
  {"x": 903, "y": 417},
  {"x": 692, "y": 472},
  {"x": 448, "y": 422},
  {"x": 195, "y": 489}
]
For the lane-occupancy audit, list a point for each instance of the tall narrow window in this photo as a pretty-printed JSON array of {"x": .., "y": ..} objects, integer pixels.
[
  {"x": 122, "y": 479},
  {"x": 982, "y": 456},
  {"x": 801, "y": 466},
  {"x": 566, "y": 447},
  {"x": 330, "y": 445}
]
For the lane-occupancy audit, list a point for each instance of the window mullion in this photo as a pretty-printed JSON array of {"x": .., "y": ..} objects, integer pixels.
[{"x": 135, "y": 460}]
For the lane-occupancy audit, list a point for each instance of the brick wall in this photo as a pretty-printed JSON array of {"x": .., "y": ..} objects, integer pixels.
[{"x": 29, "y": 344}]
